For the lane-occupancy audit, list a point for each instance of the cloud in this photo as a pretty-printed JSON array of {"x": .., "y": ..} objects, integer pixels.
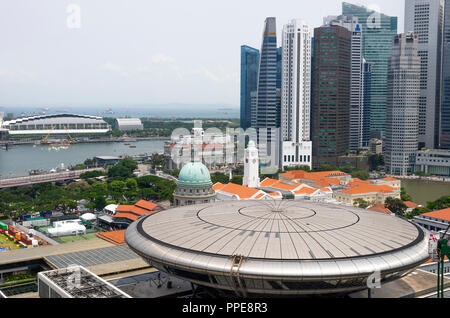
[
  {"x": 160, "y": 58},
  {"x": 110, "y": 67}
]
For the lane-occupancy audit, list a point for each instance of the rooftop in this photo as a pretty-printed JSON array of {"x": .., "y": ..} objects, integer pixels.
[
  {"x": 440, "y": 214},
  {"x": 243, "y": 192},
  {"x": 279, "y": 230}
]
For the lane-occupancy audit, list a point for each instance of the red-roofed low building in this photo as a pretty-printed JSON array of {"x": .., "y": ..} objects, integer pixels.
[
  {"x": 298, "y": 190},
  {"x": 317, "y": 179},
  {"x": 127, "y": 214},
  {"x": 434, "y": 221},
  {"x": 381, "y": 208},
  {"x": 233, "y": 191},
  {"x": 373, "y": 193}
]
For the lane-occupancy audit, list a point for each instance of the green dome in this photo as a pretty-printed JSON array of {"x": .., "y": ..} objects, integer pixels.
[{"x": 194, "y": 174}]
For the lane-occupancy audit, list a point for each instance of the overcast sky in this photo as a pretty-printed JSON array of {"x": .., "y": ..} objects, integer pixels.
[{"x": 139, "y": 51}]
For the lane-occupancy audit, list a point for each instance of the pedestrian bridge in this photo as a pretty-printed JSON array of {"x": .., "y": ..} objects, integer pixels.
[{"x": 42, "y": 178}]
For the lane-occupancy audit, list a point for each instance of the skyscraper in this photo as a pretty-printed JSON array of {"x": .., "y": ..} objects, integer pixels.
[
  {"x": 249, "y": 82},
  {"x": 402, "y": 129},
  {"x": 366, "y": 121},
  {"x": 378, "y": 30},
  {"x": 267, "y": 110},
  {"x": 296, "y": 94},
  {"x": 267, "y": 117},
  {"x": 425, "y": 18},
  {"x": 356, "y": 78},
  {"x": 330, "y": 109},
  {"x": 444, "y": 122}
]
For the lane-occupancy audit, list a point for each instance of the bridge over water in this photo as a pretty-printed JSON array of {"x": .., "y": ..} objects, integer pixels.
[{"x": 42, "y": 178}]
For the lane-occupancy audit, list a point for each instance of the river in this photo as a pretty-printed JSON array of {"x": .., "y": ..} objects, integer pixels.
[
  {"x": 19, "y": 159},
  {"x": 422, "y": 192}
]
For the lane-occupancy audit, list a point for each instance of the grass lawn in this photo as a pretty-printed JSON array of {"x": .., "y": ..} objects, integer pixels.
[{"x": 74, "y": 238}]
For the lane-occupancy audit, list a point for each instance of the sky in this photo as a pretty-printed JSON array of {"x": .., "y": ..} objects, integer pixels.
[{"x": 57, "y": 53}]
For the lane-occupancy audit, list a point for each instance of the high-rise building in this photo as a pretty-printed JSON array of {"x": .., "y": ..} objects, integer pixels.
[
  {"x": 425, "y": 18},
  {"x": 402, "y": 129},
  {"x": 330, "y": 109},
  {"x": 267, "y": 110},
  {"x": 296, "y": 94},
  {"x": 249, "y": 82},
  {"x": 444, "y": 122},
  {"x": 366, "y": 117},
  {"x": 378, "y": 30},
  {"x": 356, "y": 78},
  {"x": 267, "y": 117}
]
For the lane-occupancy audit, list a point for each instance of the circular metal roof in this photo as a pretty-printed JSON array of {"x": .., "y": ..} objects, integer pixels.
[{"x": 287, "y": 239}]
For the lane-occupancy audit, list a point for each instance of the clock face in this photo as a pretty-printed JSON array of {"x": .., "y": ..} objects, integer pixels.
[{"x": 254, "y": 160}]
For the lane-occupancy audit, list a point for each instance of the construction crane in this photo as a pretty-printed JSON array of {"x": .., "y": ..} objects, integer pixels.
[
  {"x": 72, "y": 141},
  {"x": 443, "y": 250},
  {"x": 46, "y": 137}
]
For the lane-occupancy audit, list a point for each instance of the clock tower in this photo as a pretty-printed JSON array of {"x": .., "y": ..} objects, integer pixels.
[{"x": 251, "y": 166}]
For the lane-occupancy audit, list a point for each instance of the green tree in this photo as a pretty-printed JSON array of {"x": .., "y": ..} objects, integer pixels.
[
  {"x": 439, "y": 204},
  {"x": 131, "y": 184},
  {"x": 396, "y": 206},
  {"x": 360, "y": 203},
  {"x": 404, "y": 195},
  {"x": 237, "y": 180},
  {"x": 219, "y": 177},
  {"x": 416, "y": 212},
  {"x": 99, "y": 203},
  {"x": 360, "y": 174}
]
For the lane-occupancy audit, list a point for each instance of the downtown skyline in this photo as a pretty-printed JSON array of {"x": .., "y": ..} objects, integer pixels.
[{"x": 109, "y": 63}]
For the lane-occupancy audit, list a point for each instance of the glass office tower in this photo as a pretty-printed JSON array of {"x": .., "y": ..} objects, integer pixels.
[
  {"x": 267, "y": 112},
  {"x": 330, "y": 110},
  {"x": 249, "y": 82},
  {"x": 444, "y": 129},
  {"x": 378, "y": 30}
]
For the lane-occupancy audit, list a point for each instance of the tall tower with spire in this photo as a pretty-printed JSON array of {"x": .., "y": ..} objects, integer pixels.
[{"x": 251, "y": 166}]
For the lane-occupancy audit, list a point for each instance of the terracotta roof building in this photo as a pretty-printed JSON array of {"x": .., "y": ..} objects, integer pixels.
[
  {"x": 434, "y": 221},
  {"x": 233, "y": 191},
  {"x": 127, "y": 214}
]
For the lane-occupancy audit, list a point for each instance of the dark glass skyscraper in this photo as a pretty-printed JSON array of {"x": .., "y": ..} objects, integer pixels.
[
  {"x": 378, "y": 30},
  {"x": 267, "y": 110},
  {"x": 249, "y": 82},
  {"x": 330, "y": 110},
  {"x": 444, "y": 122}
]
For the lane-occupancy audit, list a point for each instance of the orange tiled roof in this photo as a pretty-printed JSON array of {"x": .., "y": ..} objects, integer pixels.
[
  {"x": 366, "y": 188},
  {"x": 125, "y": 215},
  {"x": 146, "y": 205},
  {"x": 380, "y": 208},
  {"x": 390, "y": 179},
  {"x": 259, "y": 196},
  {"x": 243, "y": 192},
  {"x": 115, "y": 237},
  {"x": 305, "y": 190},
  {"x": 123, "y": 208},
  {"x": 361, "y": 181},
  {"x": 315, "y": 176},
  {"x": 268, "y": 182},
  {"x": 440, "y": 214},
  {"x": 411, "y": 205},
  {"x": 325, "y": 190},
  {"x": 274, "y": 194},
  {"x": 218, "y": 186}
]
